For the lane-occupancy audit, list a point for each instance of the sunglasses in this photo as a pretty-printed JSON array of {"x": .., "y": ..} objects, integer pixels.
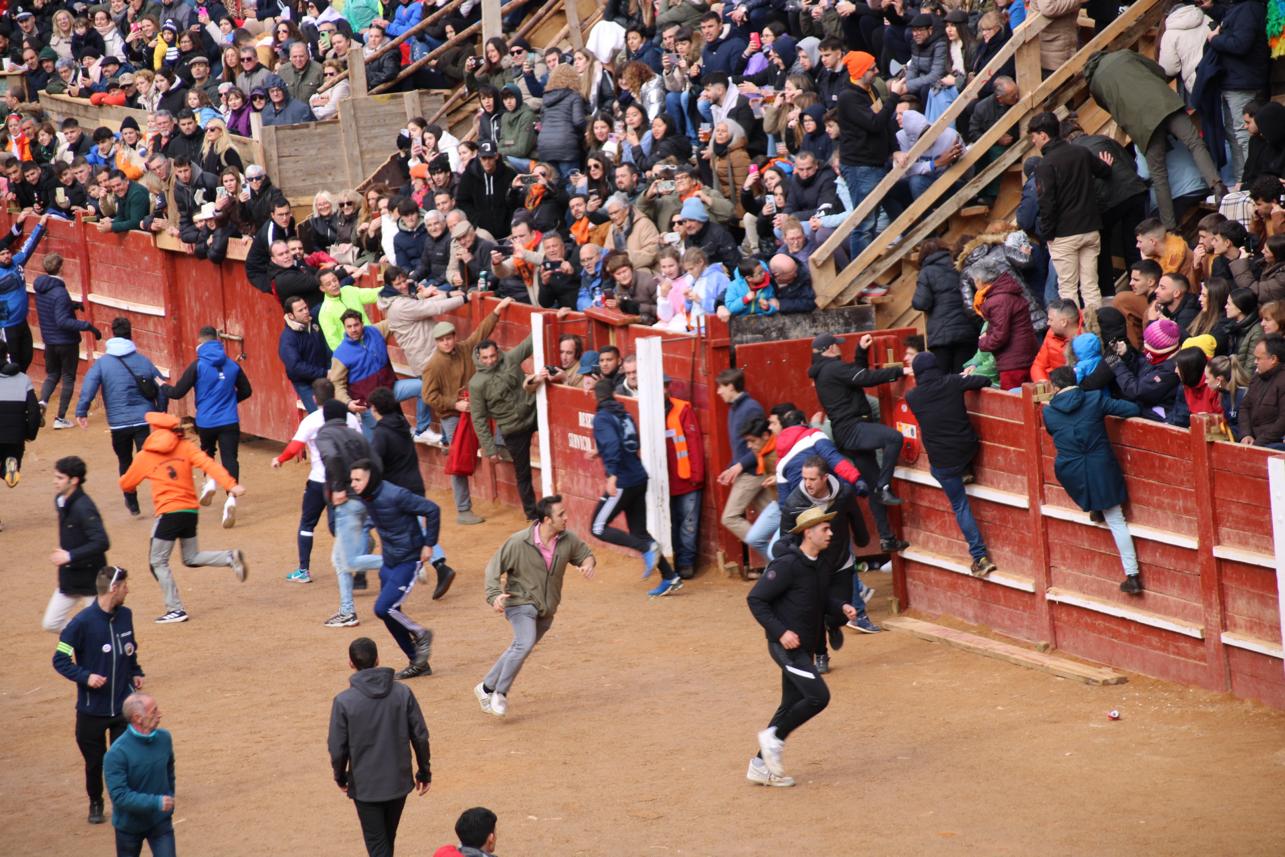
[
  {"x": 347, "y": 205},
  {"x": 255, "y": 178},
  {"x": 332, "y": 74},
  {"x": 117, "y": 577},
  {"x": 517, "y": 52},
  {"x": 248, "y": 59},
  {"x": 258, "y": 98}
]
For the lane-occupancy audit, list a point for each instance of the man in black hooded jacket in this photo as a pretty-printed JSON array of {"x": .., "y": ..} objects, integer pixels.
[{"x": 484, "y": 190}]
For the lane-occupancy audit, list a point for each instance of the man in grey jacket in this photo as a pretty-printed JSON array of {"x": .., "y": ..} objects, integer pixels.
[{"x": 371, "y": 724}]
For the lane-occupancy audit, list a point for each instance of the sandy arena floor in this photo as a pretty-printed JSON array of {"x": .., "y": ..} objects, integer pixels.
[{"x": 628, "y": 732}]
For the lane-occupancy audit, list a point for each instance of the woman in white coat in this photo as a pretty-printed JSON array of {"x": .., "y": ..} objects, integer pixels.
[{"x": 1183, "y": 44}]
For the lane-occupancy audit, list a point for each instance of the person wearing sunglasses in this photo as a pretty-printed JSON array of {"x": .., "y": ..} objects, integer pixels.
[
  {"x": 250, "y": 73},
  {"x": 99, "y": 652}
]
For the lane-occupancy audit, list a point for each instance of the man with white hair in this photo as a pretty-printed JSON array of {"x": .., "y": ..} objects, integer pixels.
[
  {"x": 302, "y": 75},
  {"x": 140, "y": 776},
  {"x": 631, "y": 231}
]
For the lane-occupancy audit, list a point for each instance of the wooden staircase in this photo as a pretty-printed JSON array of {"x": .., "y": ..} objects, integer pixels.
[{"x": 891, "y": 259}]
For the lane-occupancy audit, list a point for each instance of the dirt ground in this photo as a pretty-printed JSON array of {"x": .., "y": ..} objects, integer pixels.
[{"x": 630, "y": 729}]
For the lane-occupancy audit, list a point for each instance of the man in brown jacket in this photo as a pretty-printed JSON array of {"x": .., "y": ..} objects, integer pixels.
[
  {"x": 1262, "y": 413},
  {"x": 446, "y": 377}
]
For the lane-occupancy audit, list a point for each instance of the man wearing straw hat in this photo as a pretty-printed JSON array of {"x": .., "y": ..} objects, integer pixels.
[{"x": 790, "y": 601}]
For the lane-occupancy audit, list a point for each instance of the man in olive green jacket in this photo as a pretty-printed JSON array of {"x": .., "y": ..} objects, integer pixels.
[
  {"x": 502, "y": 391},
  {"x": 533, "y": 562}
]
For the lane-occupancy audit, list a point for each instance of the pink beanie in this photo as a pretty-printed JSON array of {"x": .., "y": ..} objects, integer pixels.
[{"x": 1161, "y": 336}]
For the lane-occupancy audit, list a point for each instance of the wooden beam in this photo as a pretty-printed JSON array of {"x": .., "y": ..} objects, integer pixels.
[
  {"x": 357, "y": 79},
  {"x": 872, "y": 261},
  {"x": 1052, "y": 664},
  {"x": 461, "y": 37},
  {"x": 573, "y": 24},
  {"x": 491, "y": 21},
  {"x": 1029, "y": 29}
]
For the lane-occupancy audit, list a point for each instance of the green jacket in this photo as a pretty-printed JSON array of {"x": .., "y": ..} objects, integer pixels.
[
  {"x": 1134, "y": 90},
  {"x": 496, "y": 393},
  {"x": 530, "y": 581},
  {"x": 329, "y": 317},
  {"x": 517, "y": 132},
  {"x": 360, "y": 13},
  {"x": 131, "y": 210}
]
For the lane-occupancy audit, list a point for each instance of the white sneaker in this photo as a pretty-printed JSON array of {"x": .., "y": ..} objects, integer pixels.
[
  {"x": 421, "y": 574},
  {"x": 61, "y": 423},
  {"x": 770, "y": 746},
  {"x": 758, "y": 773},
  {"x": 499, "y": 704},
  {"x": 207, "y": 491},
  {"x": 483, "y": 698},
  {"x": 430, "y": 437},
  {"x": 229, "y": 513}
]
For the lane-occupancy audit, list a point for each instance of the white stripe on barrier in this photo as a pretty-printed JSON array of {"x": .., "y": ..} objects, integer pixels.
[
  {"x": 1012, "y": 581},
  {"x": 1142, "y": 617},
  {"x": 981, "y": 492},
  {"x": 1244, "y": 555},
  {"x": 1138, "y": 531},
  {"x": 128, "y": 306},
  {"x": 1253, "y": 644}
]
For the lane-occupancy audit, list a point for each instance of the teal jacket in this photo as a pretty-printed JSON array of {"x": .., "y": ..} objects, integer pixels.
[
  {"x": 131, "y": 210},
  {"x": 139, "y": 770}
]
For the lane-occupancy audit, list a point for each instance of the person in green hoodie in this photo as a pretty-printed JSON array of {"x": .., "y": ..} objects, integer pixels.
[
  {"x": 517, "y": 129},
  {"x": 139, "y": 769},
  {"x": 132, "y": 204},
  {"x": 502, "y": 391}
]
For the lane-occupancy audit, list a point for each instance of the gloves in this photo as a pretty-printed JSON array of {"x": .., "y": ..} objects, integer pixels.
[{"x": 98, "y": 334}]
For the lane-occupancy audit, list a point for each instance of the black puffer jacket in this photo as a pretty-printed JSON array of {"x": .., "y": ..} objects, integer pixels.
[
  {"x": 1067, "y": 193},
  {"x": 840, "y": 389},
  {"x": 395, "y": 448},
  {"x": 81, "y": 534},
  {"x": 938, "y": 296},
  {"x": 937, "y": 401}
]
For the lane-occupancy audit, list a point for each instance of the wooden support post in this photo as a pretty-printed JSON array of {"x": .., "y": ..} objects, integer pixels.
[
  {"x": 1027, "y": 61},
  {"x": 573, "y": 24},
  {"x": 540, "y": 357},
  {"x": 1041, "y": 573},
  {"x": 1206, "y": 563},
  {"x": 357, "y": 76},
  {"x": 492, "y": 24},
  {"x": 351, "y": 136}
]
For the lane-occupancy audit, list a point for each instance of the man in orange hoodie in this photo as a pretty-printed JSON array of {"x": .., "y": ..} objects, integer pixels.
[
  {"x": 167, "y": 460},
  {"x": 1064, "y": 325}
]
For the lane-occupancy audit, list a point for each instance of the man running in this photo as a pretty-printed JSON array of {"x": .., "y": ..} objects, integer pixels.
[
  {"x": 314, "y": 492},
  {"x": 82, "y": 543},
  {"x": 395, "y": 512},
  {"x": 533, "y": 562},
  {"x": 615, "y": 436},
  {"x": 790, "y": 601},
  {"x": 19, "y": 416},
  {"x": 167, "y": 460},
  {"x": 99, "y": 652}
]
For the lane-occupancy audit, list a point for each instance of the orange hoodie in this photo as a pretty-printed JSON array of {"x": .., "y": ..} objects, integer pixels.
[{"x": 167, "y": 459}]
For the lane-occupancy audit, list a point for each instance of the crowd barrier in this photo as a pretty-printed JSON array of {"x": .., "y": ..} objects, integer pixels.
[{"x": 1199, "y": 510}]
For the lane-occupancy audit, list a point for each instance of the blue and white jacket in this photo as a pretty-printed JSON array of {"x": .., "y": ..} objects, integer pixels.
[{"x": 13, "y": 282}]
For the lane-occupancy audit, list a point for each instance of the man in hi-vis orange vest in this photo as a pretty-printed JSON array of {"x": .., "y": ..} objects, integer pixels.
[{"x": 685, "y": 452}]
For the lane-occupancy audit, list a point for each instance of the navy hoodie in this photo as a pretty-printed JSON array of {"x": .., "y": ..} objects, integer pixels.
[
  {"x": 609, "y": 438},
  {"x": 58, "y": 322}
]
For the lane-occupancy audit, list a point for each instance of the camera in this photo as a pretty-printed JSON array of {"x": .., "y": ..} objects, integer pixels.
[
  {"x": 527, "y": 179},
  {"x": 666, "y": 186},
  {"x": 505, "y": 247}
]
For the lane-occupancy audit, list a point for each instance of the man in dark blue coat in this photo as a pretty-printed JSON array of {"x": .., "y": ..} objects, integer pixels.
[
  {"x": 1240, "y": 40},
  {"x": 60, "y": 330},
  {"x": 1085, "y": 464},
  {"x": 303, "y": 350}
]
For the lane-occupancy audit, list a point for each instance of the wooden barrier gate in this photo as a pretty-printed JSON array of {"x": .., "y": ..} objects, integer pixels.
[{"x": 1199, "y": 510}]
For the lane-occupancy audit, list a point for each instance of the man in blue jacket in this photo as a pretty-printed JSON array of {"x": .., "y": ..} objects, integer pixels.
[
  {"x": 98, "y": 651},
  {"x": 303, "y": 350},
  {"x": 140, "y": 776},
  {"x": 615, "y": 436},
  {"x": 747, "y": 491},
  {"x": 60, "y": 331},
  {"x": 281, "y": 108},
  {"x": 122, "y": 372},
  {"x": 220, "y": 387},
  {"x": 395, "y": 514},
  {"x": 13, "y": 291}
]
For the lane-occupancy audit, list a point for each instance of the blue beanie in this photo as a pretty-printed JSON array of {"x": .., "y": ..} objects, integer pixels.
[{"x": 694, "y": 209}]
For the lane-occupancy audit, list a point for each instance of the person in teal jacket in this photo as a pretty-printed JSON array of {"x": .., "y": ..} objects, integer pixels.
[
  {"x": 132, "y": 205},
  {"x": 360, "y": 13},
  {"x": 751, "y": 292},
  {"x": 139, "y": 769}
]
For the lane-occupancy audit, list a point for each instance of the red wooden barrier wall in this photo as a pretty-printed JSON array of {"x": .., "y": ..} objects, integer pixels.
[{"x": 1199, "y": 510}]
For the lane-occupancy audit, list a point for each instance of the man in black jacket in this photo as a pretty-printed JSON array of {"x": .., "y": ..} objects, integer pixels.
[
  {"x": 1069, "y": 217},
  {"x": 811, "y": 190},
  {"x": 841, "y": 390},
  {"x": 82, "y": 544},
  {"x": 278, "y": 225},
  {"x": 370, "y": 723},
  {"x": 937, "y": 401},
  {"x": 19, "y": 416},
  {"x": 303, "y": 350},
  {"x": 867, "y": 138},
  {"x": 790, "y": 601},
  {"x": 394, "y": 449},
  {"x": 713, "y": 238},
  {"x": 819, "y": 488},
  {"x": 484, "y": 190}
]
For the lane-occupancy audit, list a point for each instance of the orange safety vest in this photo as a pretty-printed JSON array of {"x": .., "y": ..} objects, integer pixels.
[{"x": 674, "y": 432}]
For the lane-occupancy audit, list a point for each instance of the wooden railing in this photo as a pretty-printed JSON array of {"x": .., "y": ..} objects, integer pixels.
[{"x": 834, "y": 287}]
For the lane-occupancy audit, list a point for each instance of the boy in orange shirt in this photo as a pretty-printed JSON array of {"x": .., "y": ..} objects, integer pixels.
[{"x": 167, "y": 460}]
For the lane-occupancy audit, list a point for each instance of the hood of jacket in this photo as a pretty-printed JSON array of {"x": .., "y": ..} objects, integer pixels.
[
  {"x": 1087, "y": 349},
  {"x": 45, "y": 284},
  {"x": 937, "y": 257},
  {"x": 165, "y": 434},
  {"x": 983, "y": 242},
  {"x": 1112, "y": 324},
  {"x": 913, "y": 126},
  {"x": 376, "y": 682},
  {"x": 1091, "y": 67},
  {"x": 1068, "y": 401},
  {"x": 118, "y": 347},
  {"x": 1270, "y": 120},
  {"x": 1006, "y": 284},
  {"x": 212, "y": 352},
  {"x": 395, "y": 422},
  {"x": 1185, "y": 18},
  {"x": 812, "y": 47},
  {"x": 275, "y": 80}
]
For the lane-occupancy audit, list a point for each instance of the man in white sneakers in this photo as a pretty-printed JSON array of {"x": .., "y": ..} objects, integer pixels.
[{"x": 532, "y": 563}]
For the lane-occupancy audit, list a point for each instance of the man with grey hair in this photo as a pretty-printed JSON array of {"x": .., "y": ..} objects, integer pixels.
[
  {"x": 436, "y": 253},
  {"x": 140, "y": 776},
  {"x": 631, "y": 232},
  {"x": 302, "y": 75}
]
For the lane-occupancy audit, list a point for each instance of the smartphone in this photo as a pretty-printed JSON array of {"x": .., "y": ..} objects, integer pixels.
[
  {"x": 754, "y": 169},
  {"x": 527, "y": 179},
  {"x": 665, "y": 186}
]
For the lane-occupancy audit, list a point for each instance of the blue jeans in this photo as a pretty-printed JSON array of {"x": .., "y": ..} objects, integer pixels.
[
  {"x": 861, "y": 182},
  {"x": 1114, "y": 518},
  {"x": 521, "y": 165},
  {"x": 685, "y": 520},
  {"x": 348, "y": 555},
  {"x": 403, "y": 389},
  {"x": 765, "y": 529},
  {"x": 953, "y": 485},
  {"x": 857, "y": 601},
  {"x": 160, "y": 839},
  {"x": 304, "y": 392},
  {"x": 674, "y": 106}
]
